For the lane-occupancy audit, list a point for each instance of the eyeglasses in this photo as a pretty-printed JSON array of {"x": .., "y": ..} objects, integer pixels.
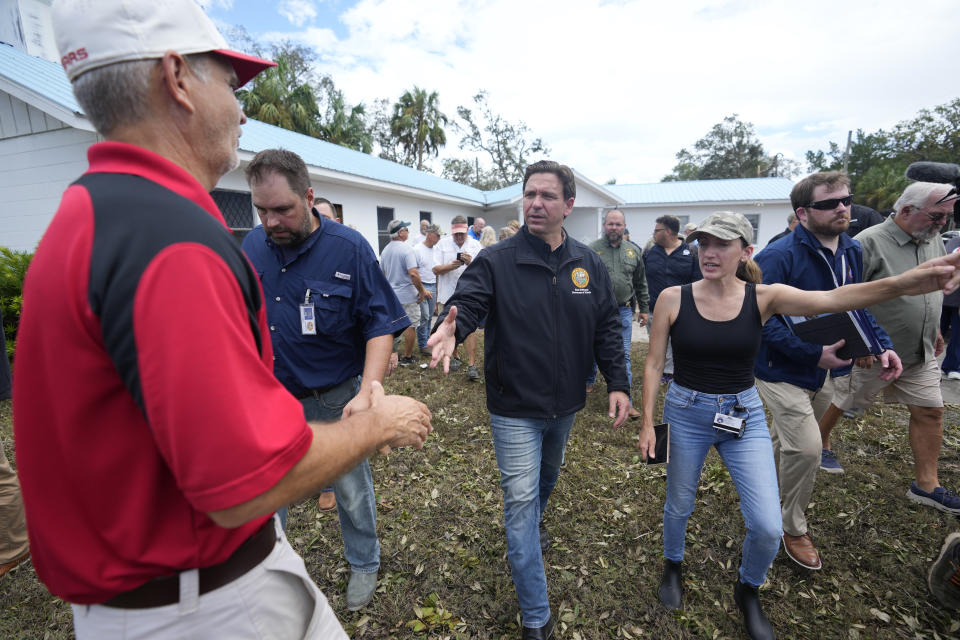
[
  {"x": 831, "y": 204},
  {"x": 656, "y": 231},
  {"x": 938, "y": 217}
]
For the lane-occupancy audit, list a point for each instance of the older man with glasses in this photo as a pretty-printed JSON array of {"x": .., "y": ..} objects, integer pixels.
[{"x": 909, "y": 236}]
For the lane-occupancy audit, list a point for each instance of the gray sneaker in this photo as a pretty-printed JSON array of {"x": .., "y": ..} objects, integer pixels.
[
  {"x": 472, "y": 373},
  {"x": 455, "y": 364},
  {"x": 944, "y": 576},
  {"x": 360, "y": 590}
]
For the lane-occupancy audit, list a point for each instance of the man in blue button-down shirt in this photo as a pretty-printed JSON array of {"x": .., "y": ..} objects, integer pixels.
[{"x": 332, "y": 318}]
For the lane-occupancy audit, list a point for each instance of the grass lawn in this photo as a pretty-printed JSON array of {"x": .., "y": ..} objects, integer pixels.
[{"x": 444, "y": 572}]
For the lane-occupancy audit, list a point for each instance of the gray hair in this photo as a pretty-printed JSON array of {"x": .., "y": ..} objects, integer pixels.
[
  {"x": 791, "y": 218},
  {"x": 918, "y": 194},
  {"x": 118, "y": 94}
]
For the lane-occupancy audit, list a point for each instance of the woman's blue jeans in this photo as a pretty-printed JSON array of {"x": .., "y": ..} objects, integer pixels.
[
  {"x": 748, "y": 459},
  {"x": 529, "y": 454}
]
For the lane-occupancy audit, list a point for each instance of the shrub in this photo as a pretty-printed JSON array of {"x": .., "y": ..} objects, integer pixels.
[{"x": 13, "y": 269}]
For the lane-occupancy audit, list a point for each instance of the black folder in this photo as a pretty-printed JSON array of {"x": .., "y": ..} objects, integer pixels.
[
  {"x": 831, "y": 327},
  {"x": 662, "y": 448}
]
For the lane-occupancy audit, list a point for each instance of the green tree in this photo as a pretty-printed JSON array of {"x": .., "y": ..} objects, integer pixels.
[
  {"x": 470, "y": 173},
  {"x": 342, "y": 124},
  {"x": 13, "y": 269},
  {"x": 507, "y": 144},
  {"x": 877, "y": 161},
  {"x": 283, "y": 95},
  {"x": 418, "y": 125},
  {"x": 730, "y": 150}
]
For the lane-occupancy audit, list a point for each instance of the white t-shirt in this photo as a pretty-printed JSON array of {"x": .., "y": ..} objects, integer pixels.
[
  {"x": 426, "y": 260},
  {"x": 396, "y": 261},
  {"x": 446, "y": 252}
]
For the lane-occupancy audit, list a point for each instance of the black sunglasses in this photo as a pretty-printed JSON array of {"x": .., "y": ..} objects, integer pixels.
[{"x": 831, "y": 204}]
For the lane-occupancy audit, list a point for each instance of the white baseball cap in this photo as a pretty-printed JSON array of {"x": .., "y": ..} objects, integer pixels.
[{"x": 95, "y": 33}]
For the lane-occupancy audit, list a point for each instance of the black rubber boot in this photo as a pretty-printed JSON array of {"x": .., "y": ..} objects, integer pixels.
[
  {"x": 748, "y": 600},
  {"x": 671, "y": 585}
]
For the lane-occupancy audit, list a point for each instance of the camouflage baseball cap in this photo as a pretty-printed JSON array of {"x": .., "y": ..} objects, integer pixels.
[{"x": 725, "y": 225}]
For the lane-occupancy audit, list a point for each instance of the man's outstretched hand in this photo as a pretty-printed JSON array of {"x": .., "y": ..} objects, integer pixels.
[{"x": 443, "y": 342}]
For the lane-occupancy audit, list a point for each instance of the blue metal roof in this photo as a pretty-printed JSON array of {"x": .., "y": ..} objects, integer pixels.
[
  {"x": 258, "y": 136},
  {"x": 43, "y": 77},
  {"x": 504, "y": 194},
  {"x": 732, "y": 190},
  {"x": 48, "y": 80}
]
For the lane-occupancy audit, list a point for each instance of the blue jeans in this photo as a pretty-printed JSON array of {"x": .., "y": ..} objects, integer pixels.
[
  {"x": 426, "y": 315},
  {"x": 951, "y": 358},
  {"x": 356, "y": 503},
  {"x": 749, "y": 461},
  {"x": 529, "y": 454},
  {"x": 626, "y": 322}
]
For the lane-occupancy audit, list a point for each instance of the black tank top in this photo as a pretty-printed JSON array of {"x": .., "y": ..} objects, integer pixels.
[{"x": 716, "y": 357}]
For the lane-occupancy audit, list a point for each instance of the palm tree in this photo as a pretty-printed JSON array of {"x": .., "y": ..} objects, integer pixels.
[
  {"x": 347, "y": 130},
  {"x": 418, "y": 125},
  {"x": 277, "y": 97}
]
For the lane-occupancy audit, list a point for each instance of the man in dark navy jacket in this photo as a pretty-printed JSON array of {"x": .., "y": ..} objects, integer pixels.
[
  {"x": 791, "y": 372},
  {"x": 551, "y": 310}
]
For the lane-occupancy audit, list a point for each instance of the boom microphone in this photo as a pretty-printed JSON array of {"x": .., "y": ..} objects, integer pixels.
[{"x": 941, "y": 172}]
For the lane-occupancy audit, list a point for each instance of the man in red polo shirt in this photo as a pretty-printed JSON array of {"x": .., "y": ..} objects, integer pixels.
[{"x": 154, "y": 443}]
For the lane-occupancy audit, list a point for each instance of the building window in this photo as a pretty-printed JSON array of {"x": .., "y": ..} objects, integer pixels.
[
  {"x": 426, "y": 215},
  {"x": 237, "y": 210},
  {"x": 384, "y": 216},
  {"x": 754, "y": 220}
]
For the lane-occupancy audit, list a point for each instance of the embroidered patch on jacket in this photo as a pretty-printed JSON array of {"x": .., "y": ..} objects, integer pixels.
[
  {"x": 580, "y": 277},
  {"x": 631, "y": 253}
]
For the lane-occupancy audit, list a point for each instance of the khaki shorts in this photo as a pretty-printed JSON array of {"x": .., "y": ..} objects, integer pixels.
[
  {"x": 413, "y": 312},
  {"x": 918, "y": 385}
]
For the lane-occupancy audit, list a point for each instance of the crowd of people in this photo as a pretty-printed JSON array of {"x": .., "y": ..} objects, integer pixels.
[{"x": 211, "y": 385}]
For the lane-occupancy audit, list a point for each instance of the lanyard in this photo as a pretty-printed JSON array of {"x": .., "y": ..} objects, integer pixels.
[{"x": 843, "y": 269}]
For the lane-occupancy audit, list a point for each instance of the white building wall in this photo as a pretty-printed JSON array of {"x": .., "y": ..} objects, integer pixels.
[
  {"x": 641, "y": 220},
  {"x": 17, "y": 118},
  {"x": 34, "y": 172}
]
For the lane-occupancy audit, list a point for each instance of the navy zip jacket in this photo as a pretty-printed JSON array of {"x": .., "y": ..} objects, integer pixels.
[
  {"x": 548, "y": 318},
  {"x": 800, "y": 261}
]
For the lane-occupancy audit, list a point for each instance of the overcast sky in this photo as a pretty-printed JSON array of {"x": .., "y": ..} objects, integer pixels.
[{"x": 617, "y": 88}]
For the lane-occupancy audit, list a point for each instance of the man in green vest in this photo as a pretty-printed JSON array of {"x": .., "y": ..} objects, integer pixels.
[{"x": 623, "y": 261}]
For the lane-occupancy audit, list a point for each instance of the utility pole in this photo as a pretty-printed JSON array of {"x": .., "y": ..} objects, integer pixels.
[{"x": 846, "y": 152}]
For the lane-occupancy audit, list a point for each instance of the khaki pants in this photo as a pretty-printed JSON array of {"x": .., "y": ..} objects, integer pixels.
[
  {"x": 13, "y": 524},
  {"x": 795, "y": 433},
  {"x": 275, "y": 599}
]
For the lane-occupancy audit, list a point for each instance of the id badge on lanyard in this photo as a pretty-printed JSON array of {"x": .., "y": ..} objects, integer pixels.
[{"x": 308, "y": 320}]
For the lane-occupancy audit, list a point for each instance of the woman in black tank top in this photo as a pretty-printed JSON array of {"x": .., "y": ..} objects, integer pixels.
[{"x": 715, "y": 325}]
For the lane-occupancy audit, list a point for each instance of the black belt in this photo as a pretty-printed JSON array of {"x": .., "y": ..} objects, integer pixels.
[
  {"x": 319, "y": 391},
  {"x": 164, "y": 591},
  {"x": 313, "y": 393}
]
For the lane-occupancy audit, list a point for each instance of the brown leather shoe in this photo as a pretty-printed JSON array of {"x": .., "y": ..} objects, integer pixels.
[
  {"x": 801, "y": 550},
  {"x": 6, "y": 566},
  {"x": 633, "y": 414},
  {"x": 327, "y": 501}
]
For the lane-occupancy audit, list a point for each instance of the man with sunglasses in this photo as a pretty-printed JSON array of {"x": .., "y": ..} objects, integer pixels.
[
  {"x": 791, "y": 373},
  {"x": 909, "y": 236}
]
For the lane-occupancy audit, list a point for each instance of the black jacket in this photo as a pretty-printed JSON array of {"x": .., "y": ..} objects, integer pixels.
[{"x": 544, "y": 326}]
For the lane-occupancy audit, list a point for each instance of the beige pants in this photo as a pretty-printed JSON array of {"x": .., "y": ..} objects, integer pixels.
[
  {"x": 13, "y": 524},
  {"x": 275, "y": 599},
  {"x": 795, "y": 433}
]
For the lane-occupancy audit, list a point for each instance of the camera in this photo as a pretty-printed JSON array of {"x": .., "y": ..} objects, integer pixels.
[{"x": 460, "y": 257}]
